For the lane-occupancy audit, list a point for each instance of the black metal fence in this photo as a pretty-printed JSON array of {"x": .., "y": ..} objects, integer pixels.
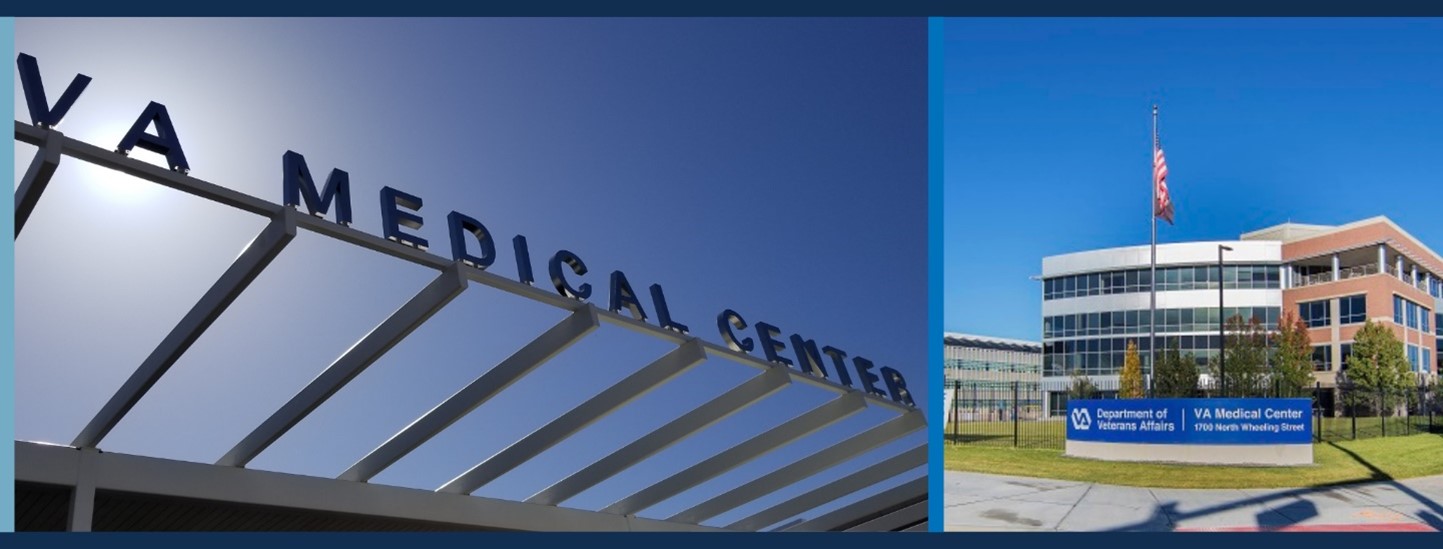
[{"x": 1020, "y": 414}]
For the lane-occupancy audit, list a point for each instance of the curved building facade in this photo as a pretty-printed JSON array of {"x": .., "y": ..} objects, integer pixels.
[{"x": 1096, "y": 302}]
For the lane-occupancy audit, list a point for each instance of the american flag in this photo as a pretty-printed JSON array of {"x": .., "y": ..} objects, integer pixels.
[{"x": 1163, "y": 207}]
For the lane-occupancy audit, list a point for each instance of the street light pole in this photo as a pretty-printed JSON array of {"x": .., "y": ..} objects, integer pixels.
[{"x": 1222, "y": 321}]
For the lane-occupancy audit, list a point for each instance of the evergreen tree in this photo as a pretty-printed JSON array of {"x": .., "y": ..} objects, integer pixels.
[
  {"x": 1177, "y": 375},
  {"x": 1130, "y": 382},
  {"x": 1082, "y": 387},
  {"x": 1246, "y": 355},
  {"x": 1293, "y": 361}
]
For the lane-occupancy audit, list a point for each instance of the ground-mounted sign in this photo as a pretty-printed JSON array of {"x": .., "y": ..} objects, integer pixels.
[{"x": 1261, "y": 431}]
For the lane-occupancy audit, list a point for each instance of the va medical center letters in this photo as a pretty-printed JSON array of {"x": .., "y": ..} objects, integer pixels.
[{"x": 474, "y": 244}]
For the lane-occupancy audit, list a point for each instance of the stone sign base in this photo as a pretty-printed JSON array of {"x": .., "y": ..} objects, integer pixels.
[{"x": 1209, "y": 454}]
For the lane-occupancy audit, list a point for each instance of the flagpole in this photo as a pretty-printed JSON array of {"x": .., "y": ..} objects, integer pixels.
[{"x": 1152, "y": 284}]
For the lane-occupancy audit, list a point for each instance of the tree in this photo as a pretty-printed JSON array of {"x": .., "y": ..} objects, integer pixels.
[
  {"x": 1377, "y": 366},
  {"x": 1130, "y": 382},
  {"x": 1082, "y": 387},
  {"x": 1246, "y": 354},
  {"x": 1176, "y": 374},
  {"x": 1293, "y": 360}
]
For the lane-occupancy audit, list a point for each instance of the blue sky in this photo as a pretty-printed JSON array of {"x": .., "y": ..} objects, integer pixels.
[
  {"x": 1048, "y": 133},
  {"x": 776, "y": 167}
]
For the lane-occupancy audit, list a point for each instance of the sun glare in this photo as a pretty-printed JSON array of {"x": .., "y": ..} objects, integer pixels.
[{"x": 113, "y": 185}]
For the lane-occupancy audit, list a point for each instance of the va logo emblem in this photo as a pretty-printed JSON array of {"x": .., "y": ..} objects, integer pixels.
[{"x": 1080, "y": 419}]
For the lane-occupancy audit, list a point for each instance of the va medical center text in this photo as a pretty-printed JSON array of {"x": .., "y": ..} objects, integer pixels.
[
  {"x": 400, "y": 209},
  {"x": 1217, "y": 419}
]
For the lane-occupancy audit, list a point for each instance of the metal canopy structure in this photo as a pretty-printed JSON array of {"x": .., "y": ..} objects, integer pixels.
[{"x": 85, "y": 469}]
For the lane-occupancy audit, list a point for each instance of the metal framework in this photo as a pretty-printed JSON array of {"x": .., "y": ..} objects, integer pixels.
[{"x": 85, "y": 469}]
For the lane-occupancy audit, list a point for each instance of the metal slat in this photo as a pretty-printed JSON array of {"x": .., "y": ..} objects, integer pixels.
[
  {"x": 894, "y": 520},
  {"x": 613, "y": 398},
  {"x": 803, "y": 468},
  {"x": 365, "y": 352},
  {"x": 810, "y": 422},
  {"x": 244, "y": 270},
  {"x": 882, "y": 470},
  {"x": 36, "y": 178},
  {"x": 734, "y": 400},
  {"x": 891, "y": 497},
  {"x": 577, "y": 325}
]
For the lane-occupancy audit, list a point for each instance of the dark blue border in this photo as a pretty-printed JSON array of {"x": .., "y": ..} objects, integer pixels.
[
  {"x": 935, "y": 78},
  {"x": 838, "y": 540},
  {"x": 732, "y": 8}
]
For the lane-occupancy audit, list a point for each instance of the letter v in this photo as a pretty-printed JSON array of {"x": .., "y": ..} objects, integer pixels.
[{"x": 41, "y": 114}]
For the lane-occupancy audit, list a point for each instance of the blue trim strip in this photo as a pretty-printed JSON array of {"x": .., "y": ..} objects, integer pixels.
[
  {"x": 7, "y": 305},
  {"x": 934, "y": 269}
]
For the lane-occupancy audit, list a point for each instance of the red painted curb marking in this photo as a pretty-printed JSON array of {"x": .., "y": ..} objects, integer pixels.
[{"x": 1380, "y": 527}]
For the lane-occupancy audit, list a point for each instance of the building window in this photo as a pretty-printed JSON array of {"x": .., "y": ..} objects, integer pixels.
[
  {"x": 1346, "y": 350},
  {"x": 1136, "y": 322},
  {"x": 1411, "y": 314},
  {"x": 1315, "y": 314},
  {"x": 1353, "y": 309},
  {"x": 1322, "y": 358},
  {"x": 1195, "y": 277},
  {"x": 1412, "y": 357}
]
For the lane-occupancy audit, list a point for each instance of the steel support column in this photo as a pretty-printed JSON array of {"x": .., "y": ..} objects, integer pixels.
[{"x": 81, "y": 515}]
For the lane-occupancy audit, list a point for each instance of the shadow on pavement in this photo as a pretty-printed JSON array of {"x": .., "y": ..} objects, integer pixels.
[{"x": 1292, "y": 513}]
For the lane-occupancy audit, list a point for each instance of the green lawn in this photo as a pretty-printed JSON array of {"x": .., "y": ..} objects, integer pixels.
[{"x": 1334, "y": 463}]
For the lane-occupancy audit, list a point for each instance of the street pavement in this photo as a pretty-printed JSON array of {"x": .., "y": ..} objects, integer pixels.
[{"x": 976, "y": 501}]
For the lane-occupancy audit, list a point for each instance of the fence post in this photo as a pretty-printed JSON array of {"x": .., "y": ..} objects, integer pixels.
[
  {"x": 1382, "y": 419},
  {"x": 1015, "y": 421},
  {"x": 956, "y": 411},
  {"x": 1353, "y": 411}
]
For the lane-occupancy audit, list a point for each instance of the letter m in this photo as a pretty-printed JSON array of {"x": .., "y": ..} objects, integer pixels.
[{"x": 299, "y": 185}]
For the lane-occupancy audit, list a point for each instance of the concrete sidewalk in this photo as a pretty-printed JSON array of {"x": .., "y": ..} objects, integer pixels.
[{"x": 976, "y": 501}]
